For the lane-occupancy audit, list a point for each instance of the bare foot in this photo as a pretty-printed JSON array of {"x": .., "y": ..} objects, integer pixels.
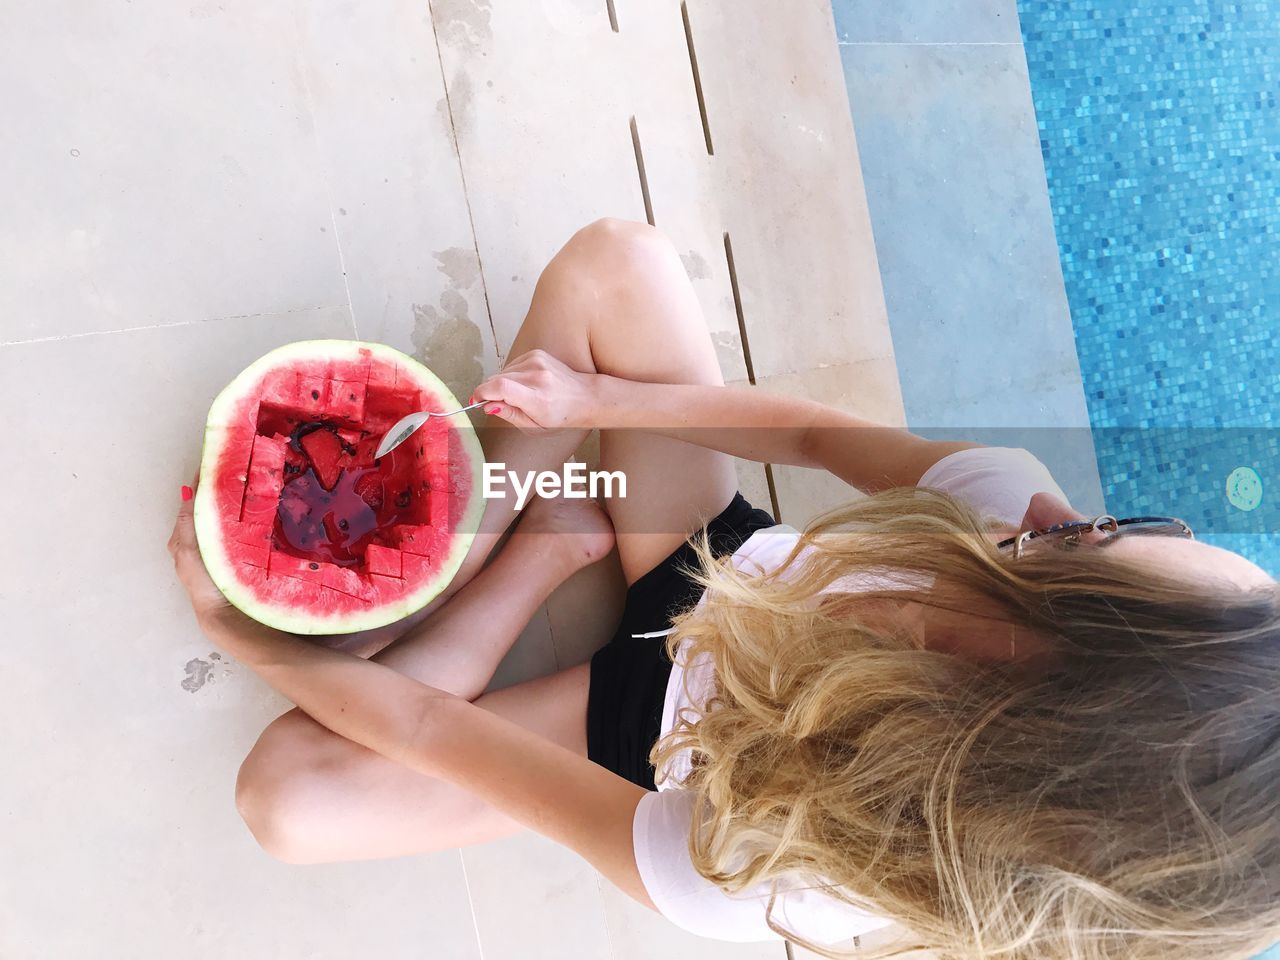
[{"x": 574, "y": 532}]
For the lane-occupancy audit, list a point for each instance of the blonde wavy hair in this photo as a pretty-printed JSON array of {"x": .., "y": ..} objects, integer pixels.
[{"x": 1122, "y": 803}]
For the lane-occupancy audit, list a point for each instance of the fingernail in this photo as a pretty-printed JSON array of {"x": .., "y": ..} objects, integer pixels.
[
  {"x": 187, "y": 493},
  {"x": 471, "y": 399},
  {"x": 494, "y": 409}
]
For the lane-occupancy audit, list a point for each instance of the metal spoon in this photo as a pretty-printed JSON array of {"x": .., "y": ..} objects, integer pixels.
[{"x": 404, "y": 428}]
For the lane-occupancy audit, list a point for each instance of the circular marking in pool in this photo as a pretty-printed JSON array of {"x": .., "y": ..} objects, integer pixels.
[{"x": 1244, "y": 488}]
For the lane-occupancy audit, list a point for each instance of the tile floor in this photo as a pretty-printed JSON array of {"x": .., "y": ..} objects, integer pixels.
[
  {"x": 959, "y": 203},
  {"x": 194, "y": 184}
]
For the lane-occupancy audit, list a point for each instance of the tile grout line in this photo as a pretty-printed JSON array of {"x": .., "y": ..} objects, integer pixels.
[
  {"x": 168, "y": 326},
  {"x": 746, "y": 357},
  {"x": 342, "y": 265},
  {"x": 644, "y": 179},
  {"x": 462, "y": 175},
  {"x": 697, "y": 77},
  {"x": 608, "y": 930},
  {"x": 328, "y": 185},
  {"x": 475, "y": 921}
]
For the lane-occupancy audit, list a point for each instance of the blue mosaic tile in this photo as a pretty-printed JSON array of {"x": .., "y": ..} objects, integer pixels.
[{"x": 1160, "y": 131}]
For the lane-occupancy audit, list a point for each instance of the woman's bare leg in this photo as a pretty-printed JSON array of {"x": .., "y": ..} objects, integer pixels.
[
  {"x": 615, "y": 300},
  {"x": 310, "y": 796}
]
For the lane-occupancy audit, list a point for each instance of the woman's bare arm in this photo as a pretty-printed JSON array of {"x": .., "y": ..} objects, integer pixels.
[
  {"x": 538, "y": 392},
  {"x": 754, "y": 424},
  {"x": 540, "y": 784}
]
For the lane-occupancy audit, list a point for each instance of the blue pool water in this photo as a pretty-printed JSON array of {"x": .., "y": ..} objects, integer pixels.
[{"x": 1160, "y": 132}]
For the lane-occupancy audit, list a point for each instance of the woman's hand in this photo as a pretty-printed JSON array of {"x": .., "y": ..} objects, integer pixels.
[
  {"x": 206, "y": 599},
  {"x": 538, "y": 393},
  {"x": 214, "y": 613},
  {"x": 223, "y": 623}
]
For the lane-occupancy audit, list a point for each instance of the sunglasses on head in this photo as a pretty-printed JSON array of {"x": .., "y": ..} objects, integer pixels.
[{"x": 1068, "y": 535}]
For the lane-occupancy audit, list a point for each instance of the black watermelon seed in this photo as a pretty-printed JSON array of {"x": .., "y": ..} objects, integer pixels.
[
  {"x": 315, "y": 394},
  {"x": 402, "y": 501},
  {"x": 342, "y": 524},
  {"x": 314, "y": 566}
]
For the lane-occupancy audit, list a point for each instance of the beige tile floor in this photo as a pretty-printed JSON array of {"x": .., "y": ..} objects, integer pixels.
[{"x": 193, "y": 184}]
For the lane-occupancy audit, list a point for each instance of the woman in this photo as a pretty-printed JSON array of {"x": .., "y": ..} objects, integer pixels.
[{"x": 1065, "y": 746}]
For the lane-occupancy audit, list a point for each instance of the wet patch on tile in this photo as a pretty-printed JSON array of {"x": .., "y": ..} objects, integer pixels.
[
  {"x": 450, "y": 345},
  {"x": 199, "y": 672},
  {"x": 728, "y": 344},
  {"x": 463, "y": 24},
  {"x": 444, "y": 336},
  {"x": 461, "y": 105},
  {"x": 695, "y": 265},
  {"x": 459, "y": 264}
]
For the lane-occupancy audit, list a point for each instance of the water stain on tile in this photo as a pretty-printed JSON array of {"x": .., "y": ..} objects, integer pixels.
[
  {"x": 463, "y": 23},
  {"x": 459, "y": 264},
  {"x": 446, "y": 122},
  {"x": 728, "y": 345},
  {"x": 576, "y": 18},
  {"x": 461, "y": 103},
  {"x": 197, "y": 674},
  {"x": 444, "y": 336},
  {"x": 449, "y": 343},
  {"x": 695, "y": 265}
]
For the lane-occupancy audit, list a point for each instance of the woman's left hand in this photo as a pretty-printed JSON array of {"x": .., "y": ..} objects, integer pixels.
[
  {"x": 208, "y": 602},
  {"x": 221, "y": 621}
]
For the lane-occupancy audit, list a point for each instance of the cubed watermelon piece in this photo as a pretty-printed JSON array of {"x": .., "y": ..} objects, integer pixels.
[
  {"x": 381, "y": 560},
  {"x": 279, "y": 388},
  {"x": 347, "y": 581},
  {"x": 266, "y": 478},
  {"x": 324, "y": 450},
  {"x": 352, "y": 370},
  {"x": 384, "y": 375},
  {"x": 253, "y": 544},
  {"x": 417, "y": 539},
  {"x": 346, "y": 400},
  {"x": 313, "y": 395},
  {"x": 417, "y": 569},
  {"x": 287, "y": 565}
]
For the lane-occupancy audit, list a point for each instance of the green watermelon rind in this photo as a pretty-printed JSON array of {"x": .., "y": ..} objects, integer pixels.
[{"x": 208, "y": 524}]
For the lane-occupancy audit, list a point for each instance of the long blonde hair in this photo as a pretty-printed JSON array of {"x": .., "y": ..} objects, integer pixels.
[{"x": 1124, "y": 803}]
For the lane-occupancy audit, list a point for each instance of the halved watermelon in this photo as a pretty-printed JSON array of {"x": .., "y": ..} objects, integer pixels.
[{"x": 298, "y": 525}]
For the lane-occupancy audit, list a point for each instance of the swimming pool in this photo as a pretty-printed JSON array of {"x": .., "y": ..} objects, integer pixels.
[{"x": 1160, "y": 132}]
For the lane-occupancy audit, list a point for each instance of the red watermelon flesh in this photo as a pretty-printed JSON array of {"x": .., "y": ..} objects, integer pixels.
[{"x": 306, "y": 530}]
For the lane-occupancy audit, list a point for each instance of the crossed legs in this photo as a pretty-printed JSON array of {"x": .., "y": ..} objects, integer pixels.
[{"x": 614, "y": 300}]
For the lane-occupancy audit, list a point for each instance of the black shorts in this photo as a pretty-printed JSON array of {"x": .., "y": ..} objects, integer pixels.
[{"x": 629, "y": 674}]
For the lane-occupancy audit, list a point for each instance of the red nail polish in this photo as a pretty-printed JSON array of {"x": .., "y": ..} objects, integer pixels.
[
  {"x": 492, "y": 410},
  {"x": 187, "y": 493}
]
